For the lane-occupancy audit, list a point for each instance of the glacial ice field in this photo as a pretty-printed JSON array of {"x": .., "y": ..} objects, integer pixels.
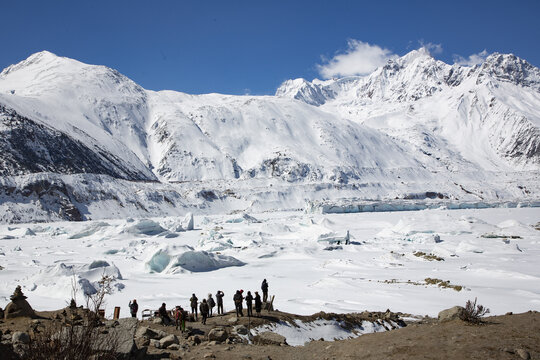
[{"x": 416, "y": 262}]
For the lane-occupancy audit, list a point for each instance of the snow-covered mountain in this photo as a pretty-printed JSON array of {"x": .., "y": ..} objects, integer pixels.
[
  {"x": 413, "y": 126},
  {"x": 484, "y": 116}
]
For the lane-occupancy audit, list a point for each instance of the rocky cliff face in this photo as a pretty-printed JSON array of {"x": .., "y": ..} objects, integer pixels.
[{"x": 28, "y": 147}]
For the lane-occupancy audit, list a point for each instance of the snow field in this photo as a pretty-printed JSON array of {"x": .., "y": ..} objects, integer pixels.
[{"x": 490, "y": 253}]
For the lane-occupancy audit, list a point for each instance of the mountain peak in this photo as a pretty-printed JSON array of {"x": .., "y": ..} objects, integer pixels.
[
  {"x": 511, "y": 68},
  {"x": 42, "y": 58},
  {"x": 422, "y": 52},
  {"x": 42, "y": 55},
  {"x": 303, "y": 90}
]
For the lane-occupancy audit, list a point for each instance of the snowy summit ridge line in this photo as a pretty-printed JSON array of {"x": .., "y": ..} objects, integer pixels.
[{"x": 414, "y": 126}]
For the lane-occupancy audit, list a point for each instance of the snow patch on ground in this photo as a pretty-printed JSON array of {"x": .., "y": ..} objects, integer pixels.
[{"x": 299, "y": 333}]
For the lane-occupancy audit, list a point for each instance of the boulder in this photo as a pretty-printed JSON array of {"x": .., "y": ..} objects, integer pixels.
[
  {"x": 158, "y": 321},
  {"x": 451, "y": 314},
  {"x": 160, "y": 334},
  {"x": 524, "y": 354},
  {"x": 168, "y": 340},
  {"x": 240, "y": 329},
  {"x": 174, "y": 347},
  {"x": 145, "y": 332},
  {"x": 20, "y": 337},
  {"x": 195, "y": 339},
  {"x": 218, "y": 334},
  {"x": 18, "y": 306},
  {"x": 155, "y": 343},
  {"x": 142, "y": 342},
  {"x": 148, "y": 333},
  {"x": 269, "y": 338},
  {"x": 119, "y": 339}
]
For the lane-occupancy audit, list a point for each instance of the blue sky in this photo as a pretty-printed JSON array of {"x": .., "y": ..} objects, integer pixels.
[{"x": 238, "y": 47}]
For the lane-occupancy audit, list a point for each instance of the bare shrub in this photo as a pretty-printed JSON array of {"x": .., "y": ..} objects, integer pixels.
[
  {"x": 94, "y": 302},
  {"x": 80, "y": 335},
  {"x": 65, "y": 341},
  {"x": 473, "y": 313}
]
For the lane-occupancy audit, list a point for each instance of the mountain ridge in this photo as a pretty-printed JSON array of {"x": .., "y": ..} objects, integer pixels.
[{"x": 412, "y": 122}]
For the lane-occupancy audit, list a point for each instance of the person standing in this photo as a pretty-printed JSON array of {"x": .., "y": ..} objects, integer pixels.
[
  {"x": 178, "y": 317},
  {"x": 162, "y": 312},
  {"x": 204, "y": 311},
  {"x": 211, "y": 304},
  {"x": 258, "y": 304},
  {"x": 249, "y": 304},
  {"x": 264, "y": 288},
  {"x": 133, "y": 308},
  {"x": 184, "y": 316},
  {"x": 193, "y": 302},
  {"x": 219, "y": 298},
  {"x": 238, "y": 298}
]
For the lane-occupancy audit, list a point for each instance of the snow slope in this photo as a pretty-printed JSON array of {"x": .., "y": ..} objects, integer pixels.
[
  {"x": 93, "y": 104},
  {"x": 460, "y": 117}
]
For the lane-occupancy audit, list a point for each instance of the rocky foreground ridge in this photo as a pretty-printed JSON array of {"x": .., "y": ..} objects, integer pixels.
[{"x": 512, "y": 336}]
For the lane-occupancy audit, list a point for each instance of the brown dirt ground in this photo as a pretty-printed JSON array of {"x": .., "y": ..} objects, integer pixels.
[{"x": 498, "y": 338}]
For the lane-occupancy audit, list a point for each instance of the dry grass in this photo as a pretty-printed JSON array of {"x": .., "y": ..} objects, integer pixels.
[
  {"x": 429, "y": 257},
  {"x": 473, "y": 313}
]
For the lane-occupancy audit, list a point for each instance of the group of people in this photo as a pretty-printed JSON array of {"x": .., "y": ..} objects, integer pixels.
[
  {"x": 238, "y": 298},
  {"x": 206, "y": 307}
]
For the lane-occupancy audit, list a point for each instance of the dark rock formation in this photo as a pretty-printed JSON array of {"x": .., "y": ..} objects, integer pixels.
[{"x": 18, "y": 306}]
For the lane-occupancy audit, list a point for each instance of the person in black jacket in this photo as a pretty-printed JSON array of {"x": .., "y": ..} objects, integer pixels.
[
  {"x": 211, "y": 304},
  {"x": 133, "y": 308},
  {"x": 219, "y": 297},
  {"x": 264, "y": 288},
  {"x": 249, "y": 304},
  {"x": 204, "y": 311},
  {"x": 162, "y": 312},
  {"x": 258, "y": 304},
  {"x": 238, "y": 298},
  {"x": 193, "y": 302}
]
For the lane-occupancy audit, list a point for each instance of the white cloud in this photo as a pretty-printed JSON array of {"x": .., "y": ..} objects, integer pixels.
[
  {"x": 360, "y": 58},
  {"x": 431, "y": 48},
  {"x": 472, "y": 60}
]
